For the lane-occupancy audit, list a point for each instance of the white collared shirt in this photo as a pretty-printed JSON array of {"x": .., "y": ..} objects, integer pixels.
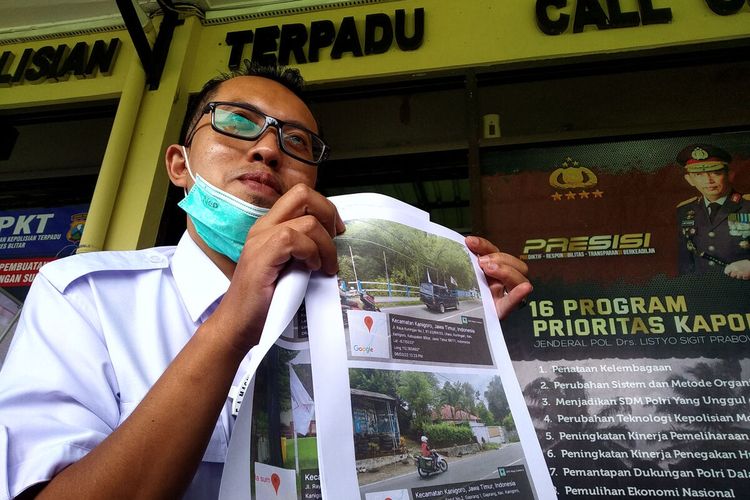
[
  {"x": 97, "y": 330},
  {"x": 720, "y": 201}
]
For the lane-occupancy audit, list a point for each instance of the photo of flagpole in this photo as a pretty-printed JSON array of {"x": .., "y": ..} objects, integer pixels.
[{"x": 303, "y": 411}]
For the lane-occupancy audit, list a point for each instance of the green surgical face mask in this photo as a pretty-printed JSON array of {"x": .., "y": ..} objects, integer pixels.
[{"x": 221, "y": 219}]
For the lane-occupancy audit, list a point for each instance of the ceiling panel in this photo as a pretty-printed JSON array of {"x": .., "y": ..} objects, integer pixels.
[{"x": 41, "y": 18}]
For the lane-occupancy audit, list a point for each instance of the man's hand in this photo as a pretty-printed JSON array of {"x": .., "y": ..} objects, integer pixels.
[
  {"x": 505, "y": 274},
  {"x": 299, "y": 228},
  {"x": 739, "y": 269}
]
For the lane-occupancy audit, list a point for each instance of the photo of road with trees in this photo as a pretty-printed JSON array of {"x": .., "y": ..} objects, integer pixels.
[
  {"x": 392, "y": 261},
  {"x": 457, "y": 412}
]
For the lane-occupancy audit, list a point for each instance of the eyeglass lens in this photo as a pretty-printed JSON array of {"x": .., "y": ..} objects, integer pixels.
[{"x": 248, "y": 124}]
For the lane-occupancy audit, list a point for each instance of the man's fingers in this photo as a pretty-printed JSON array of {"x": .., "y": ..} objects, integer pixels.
[
  {"x": 299, "y": 201},
  {"x": 480, "y": 246},
  {"x": 506, "y": 276},
  {"x": 264, "y": 257},
  {"x": 324, "y": 245},
  {"x": 505, "y": 268},
  {"x": 514, "y": 298},
  {"x": 303, "y": 239},
  {"x": 492, "y": 260}
]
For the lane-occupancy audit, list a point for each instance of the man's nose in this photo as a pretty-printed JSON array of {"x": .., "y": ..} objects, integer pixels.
[{"x": 266, "y": 148}]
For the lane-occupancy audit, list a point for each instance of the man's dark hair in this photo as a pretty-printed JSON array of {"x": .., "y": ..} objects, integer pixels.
[{"x": 288, "y": 77}]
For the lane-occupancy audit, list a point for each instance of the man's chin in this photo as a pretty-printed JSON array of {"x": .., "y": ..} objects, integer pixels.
[
  {"x": 259, "y": 194},
  {"x": 264, "y": 201},
  {"x": 714, "y": 194}
]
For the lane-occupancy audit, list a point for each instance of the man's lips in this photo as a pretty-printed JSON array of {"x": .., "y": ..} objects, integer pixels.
[{"x": 266, "y": 182}]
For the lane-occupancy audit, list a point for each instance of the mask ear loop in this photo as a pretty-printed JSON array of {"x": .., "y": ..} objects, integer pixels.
[{"x": 187, "y": 164}]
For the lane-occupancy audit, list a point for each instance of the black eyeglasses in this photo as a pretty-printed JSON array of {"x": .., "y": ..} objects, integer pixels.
[{"x": 242, "y": 121}]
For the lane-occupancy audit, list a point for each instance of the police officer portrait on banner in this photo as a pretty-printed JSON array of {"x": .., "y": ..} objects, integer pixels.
[{"x": 714, "y": 227}]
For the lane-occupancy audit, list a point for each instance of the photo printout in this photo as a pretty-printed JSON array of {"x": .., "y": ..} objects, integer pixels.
[
  {"x": 391, "y": 381},
  {"x": 423, "y": 356}
]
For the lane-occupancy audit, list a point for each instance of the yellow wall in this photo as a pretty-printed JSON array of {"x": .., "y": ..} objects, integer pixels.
[
  {"x": 73, "y": 89},
  {"x": 136, "y": 216},
  {"x": 478, "y": 33}
]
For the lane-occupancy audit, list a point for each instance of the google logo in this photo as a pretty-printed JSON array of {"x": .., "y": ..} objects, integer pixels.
[{"x": 364, "y": 348}]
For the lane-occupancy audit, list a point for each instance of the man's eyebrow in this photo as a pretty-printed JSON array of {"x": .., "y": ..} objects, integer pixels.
[
  {"x": 296, "y": 123},
  {"x": 244, "y": 104}
]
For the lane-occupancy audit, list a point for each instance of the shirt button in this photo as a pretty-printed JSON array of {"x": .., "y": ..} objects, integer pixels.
[
  {"x": 711, "y": 234},
  {"x": 711, "y": 248},
  {"x": 711, "y": 263},
  {"x": 155, "y": 259}
]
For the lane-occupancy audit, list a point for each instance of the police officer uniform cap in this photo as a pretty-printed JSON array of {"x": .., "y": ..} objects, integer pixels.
[{"x": 703, "y": 158}]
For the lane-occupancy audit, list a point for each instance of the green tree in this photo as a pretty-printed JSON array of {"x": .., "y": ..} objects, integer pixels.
[
  {"x": 484, "y": 414},
  {"x": 469, "y": 397},
  {"x": 508, "y": 423},
  {"x": 382, "y": 381},
  {"x": 419, "y": 393},
  {"x": 459, "y": 396},
  {"x": 451, "y": 395},
  {"x": 497, "y": 403},
  {"x": 409, "y": 254}
]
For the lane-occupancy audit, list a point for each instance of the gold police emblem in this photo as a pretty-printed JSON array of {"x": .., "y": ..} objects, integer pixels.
[
  {"x": 699, "y": 154},
  {"x": 572, "y": 176}
]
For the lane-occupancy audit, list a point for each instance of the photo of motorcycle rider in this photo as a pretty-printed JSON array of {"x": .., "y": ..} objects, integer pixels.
[
  {"x": 368, "y": 302},
  {"x": 426, "y": 451},
  {"x": 429, "y": 461}
]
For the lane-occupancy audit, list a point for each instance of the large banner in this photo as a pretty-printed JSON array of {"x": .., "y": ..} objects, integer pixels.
[
  {"x": 29, "y": 238},
  {"x": 634, "y": 351}
]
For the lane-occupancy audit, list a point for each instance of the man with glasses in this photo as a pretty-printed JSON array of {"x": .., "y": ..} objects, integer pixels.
[{"x": 117, "y": 383}]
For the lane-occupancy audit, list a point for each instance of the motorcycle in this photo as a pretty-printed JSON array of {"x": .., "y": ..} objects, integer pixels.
[
  {"x": 368, "y": 302},
  {"x": 348, "y": 301},
  {"x": 347, "y": 304},
  {"x": 435, "y": 464}
]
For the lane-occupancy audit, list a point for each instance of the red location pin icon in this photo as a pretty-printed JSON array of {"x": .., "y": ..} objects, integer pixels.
[
  {"x": 276, "y": 482},
  {"x": 368, "y": 323}
]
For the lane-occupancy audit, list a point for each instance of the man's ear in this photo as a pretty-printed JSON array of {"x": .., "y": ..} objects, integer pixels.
[
  {"x": 731, "y": 176},
  {"x": 689, "y": 180},
  {"x": 176, "y": 166}
]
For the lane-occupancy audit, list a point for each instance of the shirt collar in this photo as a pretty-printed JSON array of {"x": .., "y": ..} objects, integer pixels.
[
  {"x": 198, "y": 279},
  {"x": 720, "y": 201}
]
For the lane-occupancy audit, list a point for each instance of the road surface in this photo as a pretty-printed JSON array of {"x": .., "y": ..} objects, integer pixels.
[
  {"x": 471, "y": 308},
  {"x": 469, "y": 468}
]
